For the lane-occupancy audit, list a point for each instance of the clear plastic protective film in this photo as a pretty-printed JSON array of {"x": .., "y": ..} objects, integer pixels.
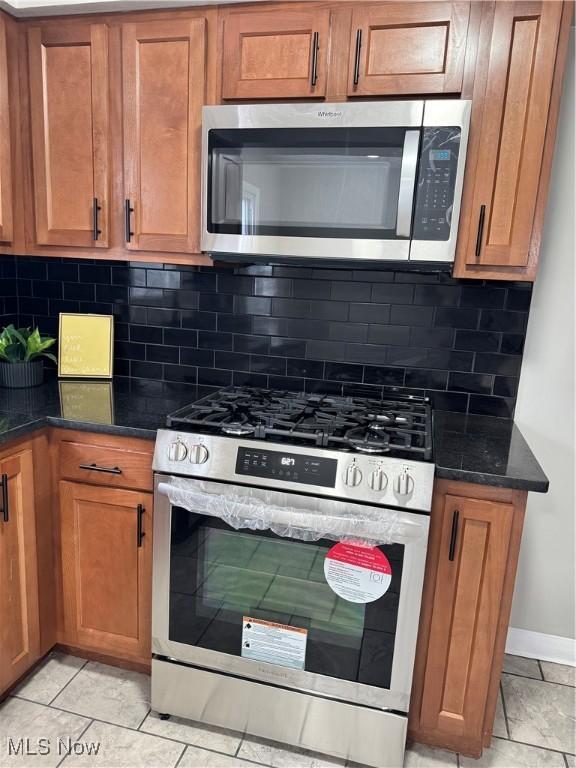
[{"x": 292, "y": 516}]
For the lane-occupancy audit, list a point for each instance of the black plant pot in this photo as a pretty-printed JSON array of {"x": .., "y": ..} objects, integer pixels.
[{"x": 20, "y": 375}]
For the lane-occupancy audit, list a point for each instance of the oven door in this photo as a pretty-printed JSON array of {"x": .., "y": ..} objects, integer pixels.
[
  {"x": 311, "y": 180},
  {"x": 211, "y": 577}
]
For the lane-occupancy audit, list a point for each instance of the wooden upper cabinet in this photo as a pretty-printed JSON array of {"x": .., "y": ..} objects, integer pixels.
[
  {"x": 278, "y": 54},
  {"x": 509, "y": 138},
  {"x": 106, "y": 549},
  {"x": 69, "y": 112},
  {"x": 5, "y": 151},
  {"x": 19, "y": 618},
  {"x": 164, "y": 86},
  {"x": 407, "y": 48}
]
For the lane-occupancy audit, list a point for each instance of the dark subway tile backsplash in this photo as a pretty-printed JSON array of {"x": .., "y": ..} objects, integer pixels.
[{"x": 343, "y": 331}]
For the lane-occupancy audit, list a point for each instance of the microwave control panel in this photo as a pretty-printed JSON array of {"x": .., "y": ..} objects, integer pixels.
[{"x": 436, "y": 181}]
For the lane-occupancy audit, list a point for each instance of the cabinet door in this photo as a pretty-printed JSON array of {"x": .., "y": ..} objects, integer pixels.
[
  {"x": 106, "y": 568},
  {"x": 407, "y": 48},
  {"x": 164, "y": 85},
  {"x": 472, "y": 562},
  {"x": 19, "y": 620},
  {"x": 275, "y": 54},
  {"x": 69, "y": 112},
  {"x": 5, "y": 152},
  {"x": 505, "y": 166}
]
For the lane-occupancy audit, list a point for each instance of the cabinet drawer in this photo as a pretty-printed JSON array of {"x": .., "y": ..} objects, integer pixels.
[{"x": 103, "y": 465}]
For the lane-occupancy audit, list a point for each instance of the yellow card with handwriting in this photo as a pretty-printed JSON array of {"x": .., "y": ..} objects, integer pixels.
[{"x": 85, "y": 346}]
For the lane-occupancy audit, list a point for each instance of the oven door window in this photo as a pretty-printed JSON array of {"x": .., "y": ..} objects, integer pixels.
[
  {"x": 219, "y": 575},
  {"x": 305, "y": 182}
]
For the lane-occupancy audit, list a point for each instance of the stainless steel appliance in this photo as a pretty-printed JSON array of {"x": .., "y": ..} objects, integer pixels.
[
  {"x": 369, "y": 181},
  {"x": 260, "y": 624}
]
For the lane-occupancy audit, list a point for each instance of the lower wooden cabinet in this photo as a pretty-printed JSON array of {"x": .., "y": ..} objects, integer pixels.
[
  {"x": 103, "y": 544},
  {"x": 19, "y": 617},
  {"x": 106, "y": 551},
  {"x": 472, "y": 557}
]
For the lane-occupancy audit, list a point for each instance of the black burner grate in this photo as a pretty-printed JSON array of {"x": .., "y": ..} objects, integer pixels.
[{"x": 399, "y": 426}]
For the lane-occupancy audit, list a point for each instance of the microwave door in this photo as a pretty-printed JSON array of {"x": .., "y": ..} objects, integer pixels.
[{"x": 322, "y": 193}]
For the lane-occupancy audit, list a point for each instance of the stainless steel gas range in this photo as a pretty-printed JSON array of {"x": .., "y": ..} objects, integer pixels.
[{"x": 290, "y": 536}]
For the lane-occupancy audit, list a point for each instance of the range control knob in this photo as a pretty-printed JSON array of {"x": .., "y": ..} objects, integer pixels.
[
  {"x": 352, "y": 475},
  {"x": 378, "y": 480},
  {"x": 198, "y": 454},
  {"x": 177, "y": 451},
  {"x": 404, "y": 484}
]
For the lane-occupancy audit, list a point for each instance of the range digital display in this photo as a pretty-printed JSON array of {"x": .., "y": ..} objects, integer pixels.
[{"x": 294, "y": 467}]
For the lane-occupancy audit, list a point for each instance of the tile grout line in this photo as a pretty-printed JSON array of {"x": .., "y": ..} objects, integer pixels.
[
  {"x": 60, "y": 762},
  {"x": 134, "y": 730},
  {"x": 144, "y": 720},
  {"x": 539, "y": 680},
  {"x": 504, "y": 710},
  {"x": 181, "y": 755},
  {"x": 534, "y": 746},
  {"x": 69, "y": 681}
]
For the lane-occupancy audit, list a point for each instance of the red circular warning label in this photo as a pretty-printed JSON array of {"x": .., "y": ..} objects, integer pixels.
[{"x": 357, "y": 574}]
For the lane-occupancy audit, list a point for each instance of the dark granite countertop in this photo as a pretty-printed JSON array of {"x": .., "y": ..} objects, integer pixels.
[
  {"x": 131, "y": 408},
  {"x": 476, "y": 449},
  {"x": 485, "y": 450}
]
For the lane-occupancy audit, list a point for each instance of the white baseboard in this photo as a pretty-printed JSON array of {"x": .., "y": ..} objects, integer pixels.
[{"x": 535, "y": 645}]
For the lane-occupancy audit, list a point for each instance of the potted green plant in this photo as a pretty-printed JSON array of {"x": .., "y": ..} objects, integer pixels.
[{"x": 21, "y": 357}]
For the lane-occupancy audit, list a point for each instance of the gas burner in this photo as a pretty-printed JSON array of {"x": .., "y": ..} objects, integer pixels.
[
  {"x": 381, "y": 425},
  {"x": 364, "y": 440},
  {"x": 399, "y": 425},
  {"x": 238, "y": 429}
]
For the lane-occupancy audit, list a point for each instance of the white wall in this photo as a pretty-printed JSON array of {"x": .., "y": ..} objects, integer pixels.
[{"x": 544, "y": 598}]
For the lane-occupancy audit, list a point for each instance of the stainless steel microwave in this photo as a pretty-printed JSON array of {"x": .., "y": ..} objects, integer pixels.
[{"x": 369, "y": 181}]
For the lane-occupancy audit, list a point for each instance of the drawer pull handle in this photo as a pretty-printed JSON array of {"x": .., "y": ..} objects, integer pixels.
[
  {"x": 453, "y": 535},
  {"x": 140, "y": 510},
  {"x": 5, "y": 503},
  {"x": 96, "y": 468},
  {"x": 357, "y": 57},
  {"x": 315, "y": 46}
]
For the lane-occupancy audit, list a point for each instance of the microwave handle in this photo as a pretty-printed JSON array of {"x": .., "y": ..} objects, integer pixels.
[{"x": 407, "y": 183}]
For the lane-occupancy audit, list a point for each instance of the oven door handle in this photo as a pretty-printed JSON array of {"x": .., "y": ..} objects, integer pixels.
[
  {"x": 286, "y": 515},
  {"x": 407, "y": 183}
]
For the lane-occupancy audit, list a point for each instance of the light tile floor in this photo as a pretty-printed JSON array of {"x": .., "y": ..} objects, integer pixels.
[{"x": 68, "y": 700}]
